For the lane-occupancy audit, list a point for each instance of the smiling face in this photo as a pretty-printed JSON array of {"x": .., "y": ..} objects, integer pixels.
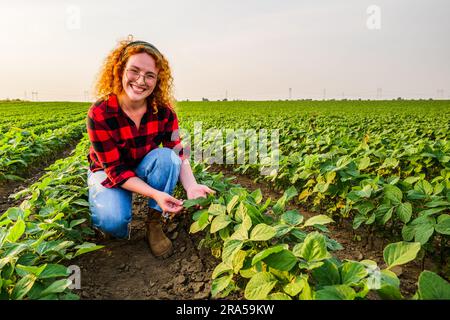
[{"x": 134, "y": 85}]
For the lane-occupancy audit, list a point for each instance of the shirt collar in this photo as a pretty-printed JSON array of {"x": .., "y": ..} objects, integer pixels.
[{"x": 112, "y": 105}]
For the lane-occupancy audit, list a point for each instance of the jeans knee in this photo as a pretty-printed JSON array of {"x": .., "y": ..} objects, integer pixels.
[
  {"x": 113, "y": 220},
  {"x": 165, "y": 157},
  {"x": 118, "y": 228}
]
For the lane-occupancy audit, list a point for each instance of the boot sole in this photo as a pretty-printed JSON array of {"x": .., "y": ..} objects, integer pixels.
[{"x": 164, "y": 255}]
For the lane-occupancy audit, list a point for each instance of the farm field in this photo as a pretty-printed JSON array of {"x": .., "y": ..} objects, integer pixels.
[{"x": 359, "y": 207}]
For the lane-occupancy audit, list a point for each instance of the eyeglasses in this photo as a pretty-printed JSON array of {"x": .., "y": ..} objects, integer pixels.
[{"x": 134, "y": 75}]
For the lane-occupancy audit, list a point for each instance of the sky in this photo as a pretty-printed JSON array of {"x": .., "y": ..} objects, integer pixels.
[{"x": 235, "y": 49}]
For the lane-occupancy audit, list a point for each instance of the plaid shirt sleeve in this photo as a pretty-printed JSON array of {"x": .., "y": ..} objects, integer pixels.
[
  {"x": 106, "y": 151},
  {"x": 172, "y": 137}
]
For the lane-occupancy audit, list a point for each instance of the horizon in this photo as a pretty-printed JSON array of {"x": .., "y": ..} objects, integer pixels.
[{"x": 256, "y": 50}]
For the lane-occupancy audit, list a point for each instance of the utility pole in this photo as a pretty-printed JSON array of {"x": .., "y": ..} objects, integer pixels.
[
  {"x": 226, "y": 95},
  {"x": 290, "y": 93}
]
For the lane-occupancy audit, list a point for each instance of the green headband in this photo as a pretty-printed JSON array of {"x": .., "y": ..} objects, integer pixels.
[{"x": 140, "y": 43}]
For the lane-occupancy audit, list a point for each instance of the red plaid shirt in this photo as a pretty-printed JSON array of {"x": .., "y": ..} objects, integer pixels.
[{"x": 117, "y": 146}]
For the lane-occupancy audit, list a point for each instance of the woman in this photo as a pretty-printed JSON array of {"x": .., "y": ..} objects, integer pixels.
[{"x": 126, "y": 126}]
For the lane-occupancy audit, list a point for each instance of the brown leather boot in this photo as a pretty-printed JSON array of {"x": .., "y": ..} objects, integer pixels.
[{"x": 160, "y": 245}]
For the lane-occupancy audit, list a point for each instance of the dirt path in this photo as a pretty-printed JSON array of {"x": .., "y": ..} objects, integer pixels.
[{"x": 125, "y": 269}]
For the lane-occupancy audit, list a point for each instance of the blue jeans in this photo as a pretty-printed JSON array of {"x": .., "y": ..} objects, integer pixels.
[{"x": 111, "y": 207}]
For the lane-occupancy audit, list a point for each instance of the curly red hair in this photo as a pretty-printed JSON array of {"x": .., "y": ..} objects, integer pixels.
[{"x": 110, "y": 77}]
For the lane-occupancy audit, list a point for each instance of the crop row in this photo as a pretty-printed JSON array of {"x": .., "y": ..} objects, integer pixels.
[
  {"x": 20, "y": 150},
  {"x": 48, "y": 228},
  {"x": 379, "y": 163},
  {"x": 269, "y": 252}
]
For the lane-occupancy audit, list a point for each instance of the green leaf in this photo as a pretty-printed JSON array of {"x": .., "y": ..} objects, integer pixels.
[
  {"x": 216, "y": 209},
  {"x": 423, "y": 233},
  {"x": 238, "y": 260},
  {"x": 339, "y": 292},
  {"x": 193, "y": 202},
  {"x": 86, "y": 247},
  {"x": 4, "y": 261},
  {"x": 195, "y": 227},
  {"x": 327, "y": 274},
  {"x": 75, "y": 223},
  {"x": 23, "y": 286},
  {"x": 364, "y": 192},
  {"x": 404, "y": 212},
  {"x": 230, "y": 248},
  {"x": 257, "y": 195},
  {"x": 352, "y": 273},
  {"x": 399, "y": 253},
  {"x": 292, "y": 217},
  {"x": 241, "y": 212},
  {"x": 282, "y": 230},
  {"x": 443, "y": 224},
  {"x": 320, "y": 219},
  {"x": 81, "y": 202},
  {"x": 201, "y": 221},
  {"x": 240, "y": 233},
  {"x": 200, "y": 215},
  {"x": 390, "y": 163},
  {"x": 296, "y": 285},
  {"x": 424, "y": 187},
  {"x": 262, "y": 232},
  {"x": 267, "y": 252},
  {"x": 408, "y": 232},
  {"x": 54, "y": 271},
  {"x": 16, "y": 231},
  {"x": 220, "y": 269},
  {"x": 411, "y": 180},
  {"x": 389, "y": 286},
  {"x": 393, "y": 193},
  {"x": 219, "y": 284},
  {"x": 314, "y": 248},
  {"x": 433, "y": 287},
  {"x": 387, "y": 216},
  {"x": 363, "y": 163},
  {"x": 35, "y": 270},
  {"x": 220, "y": 222},
  {"x": 290, "y": 193},
  {"x": 14, "y": 213},
  {"x": 259, "y": 286},
  {"x": 437, "y": 203},
  {"x": 278, "y": 296},
  {"x": 56, "y": 287},
  {"x": 232, "y": 203},
  {"x": 283, "y": 260}
]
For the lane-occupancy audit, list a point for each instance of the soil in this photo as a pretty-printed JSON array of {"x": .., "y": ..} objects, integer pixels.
[{"x": 125, "y": 269}]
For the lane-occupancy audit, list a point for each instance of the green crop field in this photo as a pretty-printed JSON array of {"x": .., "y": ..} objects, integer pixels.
[{"x": 370, "y": 170}]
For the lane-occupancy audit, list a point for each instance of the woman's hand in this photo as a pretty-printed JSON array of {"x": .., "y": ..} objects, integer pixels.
[
  {"x": 168, "y": 203},
  {"x": 198, "y": 190}
]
